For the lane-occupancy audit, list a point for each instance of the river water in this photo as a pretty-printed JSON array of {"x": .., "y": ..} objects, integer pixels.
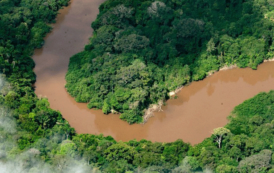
[{"x": 200, "y": 107}]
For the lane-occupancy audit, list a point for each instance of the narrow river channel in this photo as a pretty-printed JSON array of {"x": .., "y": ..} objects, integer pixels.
[{"x": 200, "y": 107}]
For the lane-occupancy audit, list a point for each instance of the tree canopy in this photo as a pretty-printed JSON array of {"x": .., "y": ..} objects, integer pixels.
[
  {"x": 150, "y": 48},
  {"x": 35, "y": 138}
]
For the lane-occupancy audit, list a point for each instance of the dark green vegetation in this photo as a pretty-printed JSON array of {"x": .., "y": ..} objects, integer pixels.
[
  {"x": 23, "y": 24},
  {"x": 35, "y": 138},
  {"x": 38, "y": 138},
  {"x": 143, "y": 49}
]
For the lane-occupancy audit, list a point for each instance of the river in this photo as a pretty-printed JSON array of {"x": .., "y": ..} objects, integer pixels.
[{"x": 200, "y": 107}]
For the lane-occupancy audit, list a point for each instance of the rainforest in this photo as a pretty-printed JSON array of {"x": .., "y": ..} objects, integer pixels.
[
  {"x": 140, "y": 53},
  {"x": 143, "y": 50}
]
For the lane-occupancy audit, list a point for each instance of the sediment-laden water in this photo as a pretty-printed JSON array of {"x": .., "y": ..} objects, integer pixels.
[{"x": 200, "y": 107}]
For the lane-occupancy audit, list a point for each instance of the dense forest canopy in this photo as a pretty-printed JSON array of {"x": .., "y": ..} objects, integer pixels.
[
  {"x": 23, "y": 25},
  {"x": 35, "y": 138},
  {"x": 142, "y": 49},
  {"x": 43, "y": 141}
]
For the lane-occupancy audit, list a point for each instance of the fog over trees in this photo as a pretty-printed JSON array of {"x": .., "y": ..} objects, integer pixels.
[{"x": 141, "y": 50}]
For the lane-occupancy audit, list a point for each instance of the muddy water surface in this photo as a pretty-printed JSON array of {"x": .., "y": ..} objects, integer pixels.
[{"x": 201, "y": 106}]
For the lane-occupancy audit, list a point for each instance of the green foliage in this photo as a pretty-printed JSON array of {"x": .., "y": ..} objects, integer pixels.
[
  {"x": 154, "y": 47},
  {"x": 256, "y": 163},
  {"x": 226, "y": 169},
  {"x": 248, "y": 147},
  {"x": 157, "y": 58},
  {"x": 189, "y": 164},
  {"x": 67, "y": 148}
]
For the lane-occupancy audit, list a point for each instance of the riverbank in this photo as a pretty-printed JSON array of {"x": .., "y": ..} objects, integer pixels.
[
  {"x": 148, "y": 113},
  {"x": 199, "y": 108}
]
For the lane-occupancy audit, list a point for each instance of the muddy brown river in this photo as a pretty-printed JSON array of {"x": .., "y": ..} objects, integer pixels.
[{"x": 200, "y": 107}]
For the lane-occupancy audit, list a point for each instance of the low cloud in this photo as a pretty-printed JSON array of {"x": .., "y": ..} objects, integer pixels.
[{"x": 13, "y": 160}]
